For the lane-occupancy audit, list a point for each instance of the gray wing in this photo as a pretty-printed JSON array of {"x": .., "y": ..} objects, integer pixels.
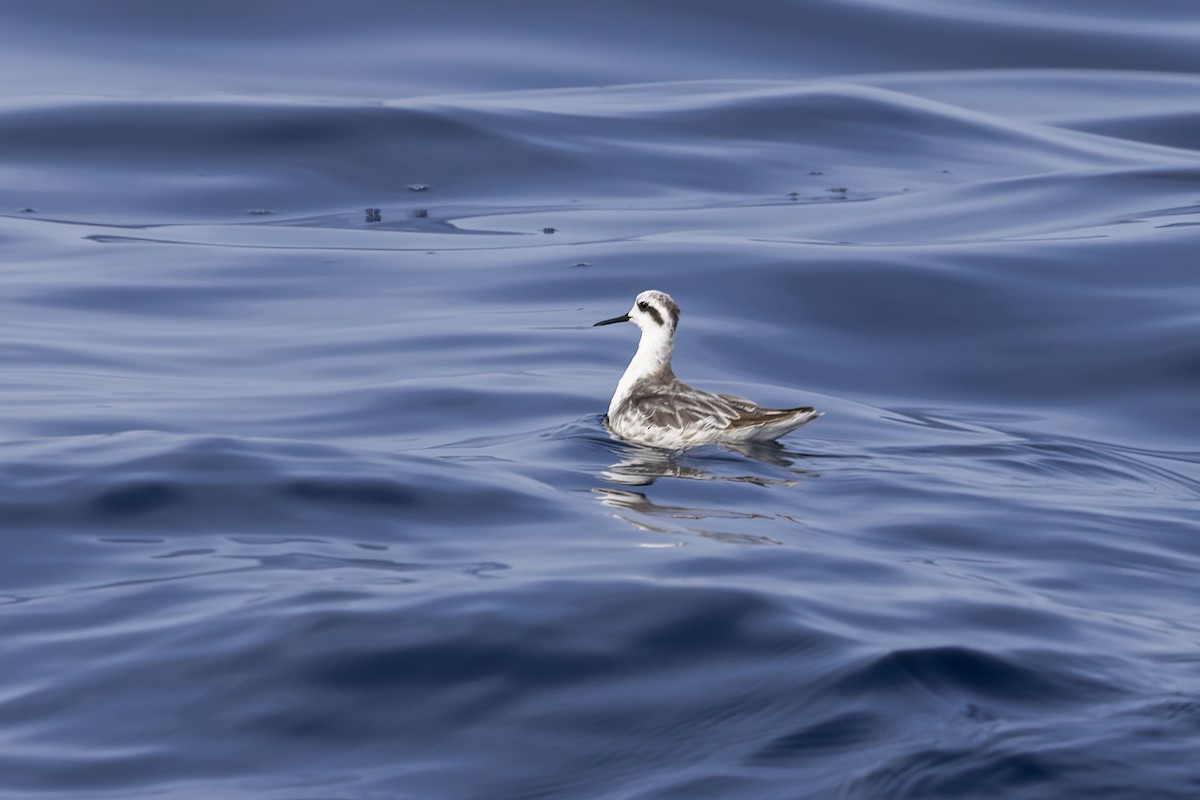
[
  {"x": 682, "y": 407},
  {"x": 691, "y": 410},
  {"x": 748, "y": 413}
]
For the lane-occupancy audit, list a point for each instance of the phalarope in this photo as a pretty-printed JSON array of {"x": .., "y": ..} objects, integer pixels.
[{"x": 651, "y": 406}]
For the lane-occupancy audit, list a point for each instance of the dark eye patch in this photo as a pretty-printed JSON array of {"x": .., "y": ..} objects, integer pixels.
[
  {"x": 654, "y": 315},
  {"x": 643, "y": 305}
]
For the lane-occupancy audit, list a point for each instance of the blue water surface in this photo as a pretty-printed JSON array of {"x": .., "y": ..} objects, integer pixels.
[{"x": 296, "y": 504}]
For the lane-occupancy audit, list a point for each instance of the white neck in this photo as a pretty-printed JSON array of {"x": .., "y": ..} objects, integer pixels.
[{"x": 653, "y": 356}]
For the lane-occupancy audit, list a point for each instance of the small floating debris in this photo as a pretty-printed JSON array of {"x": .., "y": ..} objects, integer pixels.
[
  {"x": 374, "y": 215},
  {"x": 839, "y": 190},
  {"x": 815, "y": 172},
  {"x": 420, "y": 213},
  {"x": 581, "y": 264},
  {"x": 418, "y": 187},
  {"x": 259, "y": 212},
  {"x": 28, "y": 211},
  {"x": 549, "y": 230},
  {"x": 945, "y": 172},
  {"x": 793, "y": 195}
]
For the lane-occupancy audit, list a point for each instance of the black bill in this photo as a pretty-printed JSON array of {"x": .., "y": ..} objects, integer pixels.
[{"x": 622, "y": 318}]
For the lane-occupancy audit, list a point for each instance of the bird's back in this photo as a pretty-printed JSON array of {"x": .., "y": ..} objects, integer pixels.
[{"x": 669, "y": 413}]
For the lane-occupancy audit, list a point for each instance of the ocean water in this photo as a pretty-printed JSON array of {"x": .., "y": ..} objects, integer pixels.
[{"x": 296, "y": 504}]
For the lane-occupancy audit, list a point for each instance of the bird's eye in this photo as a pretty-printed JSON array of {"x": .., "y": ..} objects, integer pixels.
[{"x": 643, "y": 305}]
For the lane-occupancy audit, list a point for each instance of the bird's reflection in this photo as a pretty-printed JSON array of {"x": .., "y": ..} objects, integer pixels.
[
  {"x": 642, "y": 466},
  {"x": 637, "y": 502}
]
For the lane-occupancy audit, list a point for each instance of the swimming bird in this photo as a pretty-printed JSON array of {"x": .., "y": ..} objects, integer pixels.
[{"x": 651, "y": 406}]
